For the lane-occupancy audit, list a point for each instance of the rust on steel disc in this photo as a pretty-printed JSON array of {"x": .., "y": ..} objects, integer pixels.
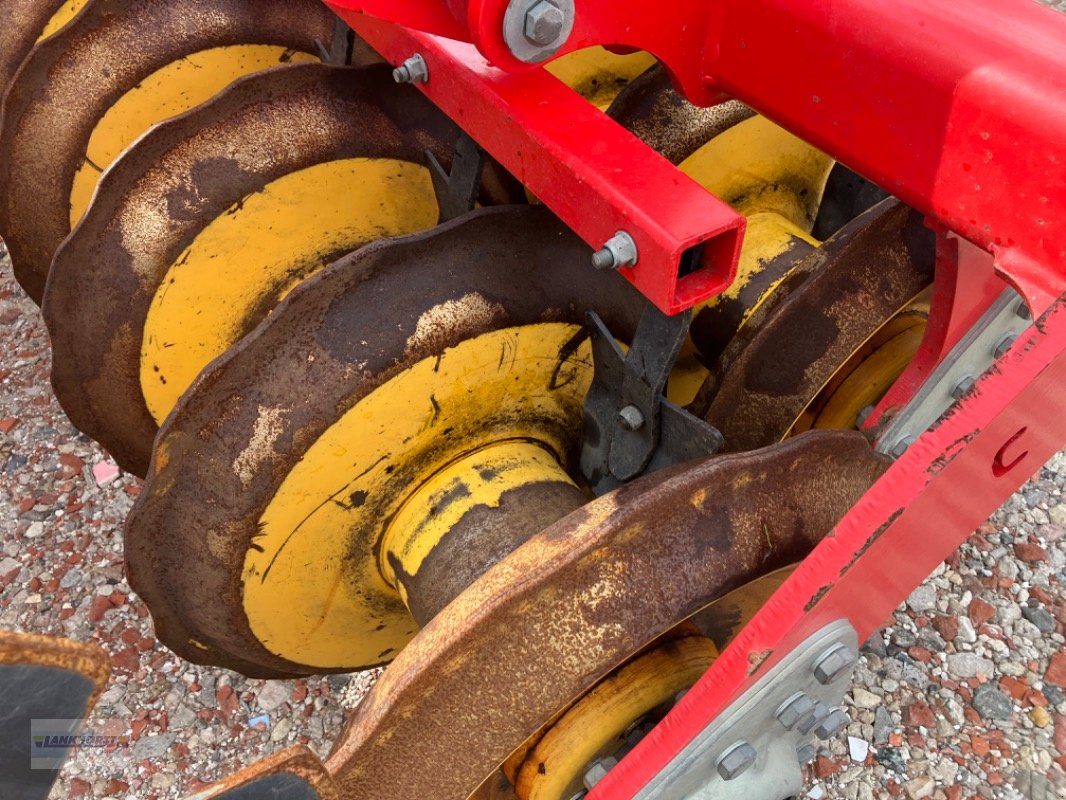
[
  {"x": 71, "y": 79},
  {"x": 191, "y": 169},
  {"x": 188, "y": 534},
  {"x": 832, "y": 302},
  {"x": 543, "y": 625},
  {"x": 657, "y": 114},
  {"x": 24, "y": 20},
  {"x": 294, "y": 773}
]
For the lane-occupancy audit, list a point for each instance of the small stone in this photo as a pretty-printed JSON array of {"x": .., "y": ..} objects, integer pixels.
[
  {"x": 272, "y": 695},
  {"x": 864, "y": 698},
  {"x": 947, "y": 627},
  {"x": 980, "y": 611},
  {"x": 1030, "y": 553},
  {"x": 967, "y": 634},
  {"x": 104, "y": 472},
  {"x": 923, "y": 598},
  {"x": 883, "y": 725},
  {"x": 100, "y": 606},
  {"x": 152, "y": 747},
  {"x": 281, "y": 730},
  {"x": 968, "y": 665},
  {"x": 991, "y": 703},
  {"x": 35, "y": 531},
  {"x": 858, "y": 749},
  {"x": 919, "y": 714},
  {"x": 1056, "y": 671},
  {"x": 1040, "y": 717},
  {"x": 920, "y": 787},
  {"x": 892, "y": 758}
]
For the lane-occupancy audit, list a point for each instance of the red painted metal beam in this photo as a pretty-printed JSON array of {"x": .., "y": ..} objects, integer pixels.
[
  {"x": 929, "y": 501},
  {"x": 596, "y": 176}
]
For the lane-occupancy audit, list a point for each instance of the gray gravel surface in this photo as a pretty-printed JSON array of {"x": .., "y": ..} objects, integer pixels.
[{"x": 963, "y": 696}]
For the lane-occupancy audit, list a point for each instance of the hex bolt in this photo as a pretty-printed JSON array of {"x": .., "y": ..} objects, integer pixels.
[
  {"x": 900, "y": 447},
  {"x": 1004, "y": 345},
  {"x": 618, "y": 251},
  {"x": 963, "y": 386},
  {"x": 413, "y": 70},
  {"x": 598, "y": 769},
  {"x": 817, "y": 714},
  {"x": 805, "y": 753},
  {"x": 544, "y": 23},
  {"x": 794, "y": 709},
  {"x": 832, "y": 724},
  {"x": 863, "y": 415},
  {"x": 630, "y": 418},
  {"x": 737, "y": 760},
  {"x": 833, "y": 663},
  {"x": 1022, "y": 310}
]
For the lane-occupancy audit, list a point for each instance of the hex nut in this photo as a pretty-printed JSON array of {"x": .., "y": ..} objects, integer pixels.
[
  {"x": 832, "y": 724},
  {"x": 794, "y": 709},
  {"x": 833, "y": 664},
  {"x": 598, "y": 769},
  {"x": 737, "y": 760},
  {"x": 630, "y": 418},
  {"x": 544, "y": 23}
]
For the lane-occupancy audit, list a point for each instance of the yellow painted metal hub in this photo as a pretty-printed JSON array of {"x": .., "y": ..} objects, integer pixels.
[
  {"x": 315, "y": 591},
  {"x": 596, "y": 726},
  {"x": 480, "y": 478},
  {"x": 246, "y": 260}
]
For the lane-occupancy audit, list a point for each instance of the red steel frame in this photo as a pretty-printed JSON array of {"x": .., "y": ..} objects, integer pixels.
[{"x": 958, "y": 109}]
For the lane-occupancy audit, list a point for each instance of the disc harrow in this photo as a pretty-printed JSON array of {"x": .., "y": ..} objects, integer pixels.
[{"x": 364, "y": 406}]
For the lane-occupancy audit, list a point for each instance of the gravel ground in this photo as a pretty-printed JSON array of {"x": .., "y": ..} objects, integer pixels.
[{"x": 962, "y": 697}]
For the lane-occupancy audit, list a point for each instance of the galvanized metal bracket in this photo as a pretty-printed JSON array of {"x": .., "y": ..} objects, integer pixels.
[
  {"x": 630, "y": 427},
  {"x": 755, "y": 747},
  {"x": 339, "y": 52},
  {"x": 457, "y": 191},
  {"x": 986, "y": 341}
]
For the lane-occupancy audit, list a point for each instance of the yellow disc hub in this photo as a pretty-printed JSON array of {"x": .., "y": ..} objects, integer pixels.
[
  {"x": 598, "y": 724},
  {"x": 246, "y": 260},
  {"x": 317, "y": 588}
]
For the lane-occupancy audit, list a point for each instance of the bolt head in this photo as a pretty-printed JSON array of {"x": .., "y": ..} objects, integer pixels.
[
  {"x": 832, "y": 724},
  {"x": 833, "y": 663},
  {"x": 735, "y": 761},
  {"x": 598, "y": 769},
  {"x": 962, "y": 387},
  {"x": 816, "y": 715},
  {"x": 630, "y": 418},
  {"x": 544, "y": 23},
  {"x": 794, "y": 709},
  {"x": 805, "y": 753}
]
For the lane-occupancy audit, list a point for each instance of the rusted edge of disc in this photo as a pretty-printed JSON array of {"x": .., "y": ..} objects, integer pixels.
[
  {"x": 656, "y": 113},
  {"x": 24, "y": 20},
  {"x": 294, "y": 772},
  {"x": 549, "y": 620},
  {"x": 88, "y": 660},
  {"x": 828, "y": 306}
]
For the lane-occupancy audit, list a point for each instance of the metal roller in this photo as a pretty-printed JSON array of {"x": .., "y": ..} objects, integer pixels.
[
  {"x": 832, "y": 304},
  {"x": 202, "y": 227},
  {"x": 437, "y": 445},
  {"x": 56, "y": 114}
]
